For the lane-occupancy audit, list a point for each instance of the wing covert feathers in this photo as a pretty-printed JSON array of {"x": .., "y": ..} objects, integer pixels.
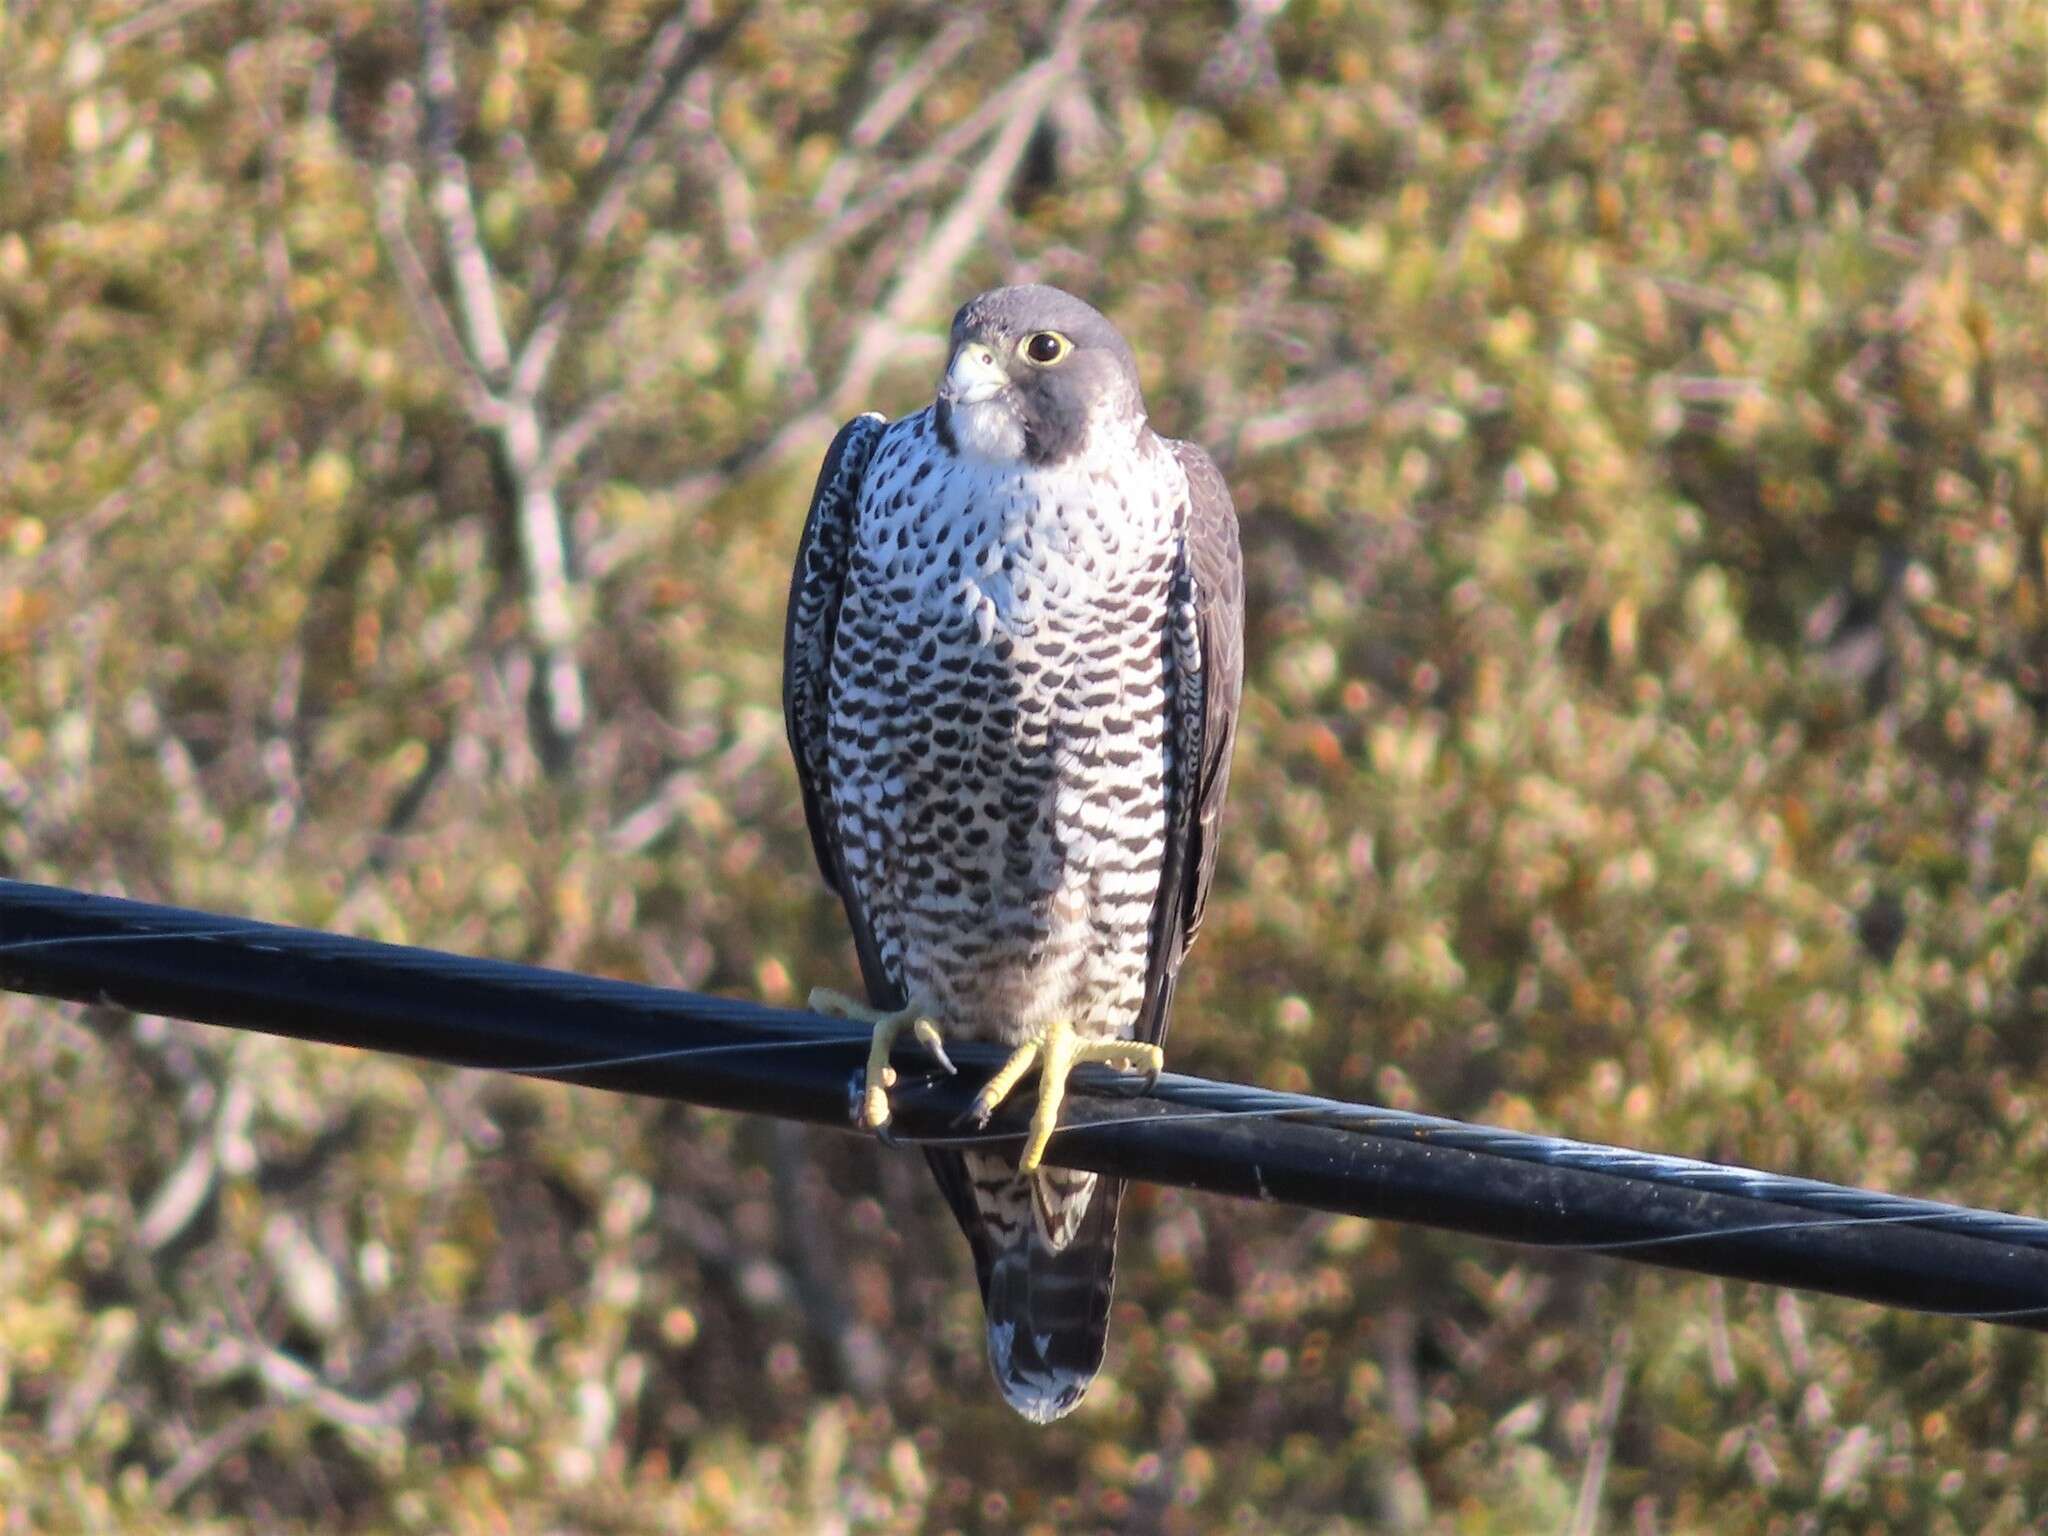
[
  {"x": 816, "y": 587},
  {"x": 1205, "y": 646}
]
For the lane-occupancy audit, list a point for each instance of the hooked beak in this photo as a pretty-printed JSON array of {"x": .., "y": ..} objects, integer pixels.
[{"x": 973, "y": 376}]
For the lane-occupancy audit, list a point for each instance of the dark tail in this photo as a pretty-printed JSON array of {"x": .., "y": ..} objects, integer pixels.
[{"x": 1047, "y": 1305}]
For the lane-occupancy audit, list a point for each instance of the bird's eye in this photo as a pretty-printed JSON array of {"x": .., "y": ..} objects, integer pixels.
[{"x": 1046, "y": 347}]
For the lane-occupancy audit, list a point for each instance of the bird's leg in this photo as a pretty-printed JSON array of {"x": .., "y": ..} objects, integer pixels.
[
  {"x": 1058, "y": 1051},
  {"x": 881, "y": 1077}
]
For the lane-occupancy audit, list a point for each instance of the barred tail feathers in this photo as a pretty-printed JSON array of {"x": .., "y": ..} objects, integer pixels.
[{"x": 1045, "y": 1253}]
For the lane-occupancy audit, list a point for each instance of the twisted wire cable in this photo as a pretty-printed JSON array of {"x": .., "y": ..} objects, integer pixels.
[{"x": 1230, "y": 1138}]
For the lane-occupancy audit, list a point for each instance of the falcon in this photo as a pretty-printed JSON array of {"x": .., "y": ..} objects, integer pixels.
[{"x": 1011, "y": 676}]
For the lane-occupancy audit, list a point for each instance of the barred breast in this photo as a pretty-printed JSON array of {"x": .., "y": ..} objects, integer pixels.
[{"x": 998, "y": 728}]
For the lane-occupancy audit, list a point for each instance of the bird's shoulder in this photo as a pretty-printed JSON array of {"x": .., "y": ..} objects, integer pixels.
[
  {"x": 1205, "y": 481},
  {"x": 912, "y": 436},
  {"x": 853, "y": 445}
]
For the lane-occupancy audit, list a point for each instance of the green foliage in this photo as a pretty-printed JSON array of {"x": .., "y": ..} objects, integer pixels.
[{"x": 1639, "y": 424}]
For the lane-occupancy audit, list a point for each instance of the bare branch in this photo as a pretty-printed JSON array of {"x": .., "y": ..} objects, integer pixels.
[
  {"x": 544, "y": 563},
  {"x": 92, "y": 1382},
  {"x": 679, "y": 47},
  {"x": 500, "y": 402},
  {"x": 1549, "y": 91},
  {"x": 1012, "y": 114},
  {"x": 454, "y": 203},
  {"x": 535, "y": 459},
  {"x": 1586, "y": 1511},
  {"x": 1243, "y": 61},
  {"x": 395, "y": 185},
  {"x": 1336, "y": 402},
  {"x": 204, "y": 1455},
  {"x": 889, "y": 107},
  {"x": 286, "y": 1380},
  {"x": 573, "y": 438},
  {"x": 639, "y": 829},
  {"x": 682, "y": 43},
  {"x": 190, "y": 1185},
  {"x": 729, "y": 178},
  {"x": 931, "y": 268},
  {"x": 151, "y": 18},
  {"x": 901, "y": 185}
]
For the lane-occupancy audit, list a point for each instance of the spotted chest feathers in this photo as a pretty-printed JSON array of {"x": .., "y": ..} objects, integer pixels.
[{"x": 998, "y": 721}]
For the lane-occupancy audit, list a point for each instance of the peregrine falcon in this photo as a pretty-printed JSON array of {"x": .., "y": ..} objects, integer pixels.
[{"x": 1011, "y": 678}]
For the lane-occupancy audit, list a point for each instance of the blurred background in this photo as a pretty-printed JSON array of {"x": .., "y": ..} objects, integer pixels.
[{"x": 1638, "y": 417}]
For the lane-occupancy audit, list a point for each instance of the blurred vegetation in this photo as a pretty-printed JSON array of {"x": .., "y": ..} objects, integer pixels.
[{"x": 1639, "y": 419}]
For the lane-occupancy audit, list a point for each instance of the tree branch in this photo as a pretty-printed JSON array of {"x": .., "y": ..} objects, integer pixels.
[
  {"x": 929, "y": 270},
  {"x": 889, "y": 107},
  {"x": 501, "y": 400},
  {"x": 394, "y": 185},
  {"x": 899, "y": 186},
  {"x": 679, "y": 47},
  {"x": 454, "y": 203},
  {"x": 1012, "y": 114},
  {"x": 1336, "y": 402}
]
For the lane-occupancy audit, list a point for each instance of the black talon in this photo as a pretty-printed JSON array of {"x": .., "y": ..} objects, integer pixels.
[{"x": 977, "y": 1113}]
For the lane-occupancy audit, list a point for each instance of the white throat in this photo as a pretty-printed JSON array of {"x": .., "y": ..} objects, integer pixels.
[
  {"x": 987, "y": 429},
  {"x": 982, "y": 421}
]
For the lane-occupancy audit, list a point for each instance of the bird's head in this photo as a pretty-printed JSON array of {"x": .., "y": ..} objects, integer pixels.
[{"x": 1033, "y": 374}]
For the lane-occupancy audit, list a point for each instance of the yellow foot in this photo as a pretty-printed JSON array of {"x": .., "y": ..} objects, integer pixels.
[
  {"x": 874, "y": 1099},
  {"x": 1058, "y": 1051}
]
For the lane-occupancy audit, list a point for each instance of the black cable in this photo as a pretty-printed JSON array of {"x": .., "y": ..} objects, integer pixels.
[{"x": 1222, "y": 1137}]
